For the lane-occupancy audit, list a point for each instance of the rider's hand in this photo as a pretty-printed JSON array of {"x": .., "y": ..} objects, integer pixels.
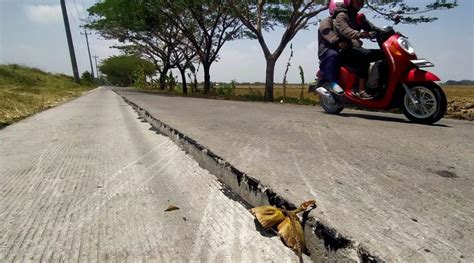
[
  {"x": 343, "y": 45},
  {"x": 365, "y": 34}
]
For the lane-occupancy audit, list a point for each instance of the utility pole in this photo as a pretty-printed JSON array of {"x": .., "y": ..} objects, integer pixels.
[
  {"x": 96, "y": 67},
  {"x": 75, "y": 71},
  {"x": 88, "y": 50}
]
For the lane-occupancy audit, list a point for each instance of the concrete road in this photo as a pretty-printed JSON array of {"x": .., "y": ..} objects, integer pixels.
[
  {"x": 89, "y": 181},
  {"x": 403, "y": 191}
]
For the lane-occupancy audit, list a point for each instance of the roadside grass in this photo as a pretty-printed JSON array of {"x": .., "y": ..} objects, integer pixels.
[{"x": 25, "y": 91}]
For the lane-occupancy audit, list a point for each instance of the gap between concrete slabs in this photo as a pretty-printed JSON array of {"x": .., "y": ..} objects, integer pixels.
[{"x": 323, "y": 242}]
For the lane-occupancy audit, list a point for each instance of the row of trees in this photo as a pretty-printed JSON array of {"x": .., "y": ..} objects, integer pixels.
[{"x": 182, "y": 33}]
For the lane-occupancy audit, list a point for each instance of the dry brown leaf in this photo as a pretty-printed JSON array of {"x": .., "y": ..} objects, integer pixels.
[
  {"x": 268, "y": 216},
  {"x": 288, "y": 224},
  {"x": 171, "y": 208},
  {"x": 291, "y": 231},
  {"x": 308, "y": 203}
]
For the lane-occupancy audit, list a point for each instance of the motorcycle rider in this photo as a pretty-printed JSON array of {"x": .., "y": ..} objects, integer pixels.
[
  {"x": 328, "y": 45},
  {"x": 348, "y": 25}
]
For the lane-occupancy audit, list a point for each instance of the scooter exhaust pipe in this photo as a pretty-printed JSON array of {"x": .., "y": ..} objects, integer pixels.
[{"x": 324, "y": 92}]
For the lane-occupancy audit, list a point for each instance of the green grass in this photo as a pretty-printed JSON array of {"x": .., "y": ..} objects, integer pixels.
[{"x": 25, "y": 91}]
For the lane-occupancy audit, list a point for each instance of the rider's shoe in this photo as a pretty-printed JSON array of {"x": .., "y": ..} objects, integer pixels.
[
  {"x": 336, "y": 88},
  {"x": 361, "y": 95},
  {"x": 365, "y": 96}
]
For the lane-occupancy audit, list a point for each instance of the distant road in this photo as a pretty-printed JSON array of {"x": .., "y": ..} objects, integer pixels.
[{"x": 403, "y": 191}]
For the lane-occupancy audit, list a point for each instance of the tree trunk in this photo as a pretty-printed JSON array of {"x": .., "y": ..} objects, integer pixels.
[
  {"x": 269, "y": 78},
  {"x": 195, "y": 83},
  {"x": 183, "y": 79},
  {"x": 163, "y": 76},
  {"x": 207, "y": 77}
]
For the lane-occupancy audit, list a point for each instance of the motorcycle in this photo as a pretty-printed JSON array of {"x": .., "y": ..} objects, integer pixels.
[{"x": 397, "y": 81}]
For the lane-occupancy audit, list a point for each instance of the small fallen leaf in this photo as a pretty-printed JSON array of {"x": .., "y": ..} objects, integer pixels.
[
  {"x": 268, "y": 216},
  {"x": 171, "y": 208},
  {"x": 292, "y": 234}
]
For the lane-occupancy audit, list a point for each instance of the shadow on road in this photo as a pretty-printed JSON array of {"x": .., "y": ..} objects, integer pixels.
[{"x": 385, "y": 118}]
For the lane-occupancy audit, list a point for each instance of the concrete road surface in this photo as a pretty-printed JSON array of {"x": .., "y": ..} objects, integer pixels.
[
  {"x": 89, "y": 181},
  {"x": 403, "y": 191}
]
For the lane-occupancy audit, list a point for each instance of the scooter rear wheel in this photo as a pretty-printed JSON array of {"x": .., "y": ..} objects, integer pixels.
[
  {"x": 430, "y": 106},
  {"x": 333, "y": 107}
]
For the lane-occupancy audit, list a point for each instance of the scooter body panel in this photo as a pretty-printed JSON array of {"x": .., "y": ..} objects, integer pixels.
[
  {"x": 417, "y": 75},
  {"x": 399, "y": 71}
]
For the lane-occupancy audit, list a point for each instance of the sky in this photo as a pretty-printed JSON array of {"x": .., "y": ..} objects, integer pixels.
[{"x": 32, "y": 33}]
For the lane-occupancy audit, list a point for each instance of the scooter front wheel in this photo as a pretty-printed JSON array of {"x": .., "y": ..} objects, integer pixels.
[
  {"x": 330, "y": 106},
  {"x": 427, "y": 103}
]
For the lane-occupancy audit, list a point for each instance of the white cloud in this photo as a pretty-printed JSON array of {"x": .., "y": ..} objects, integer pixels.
[{"x": 44, "y": 14}]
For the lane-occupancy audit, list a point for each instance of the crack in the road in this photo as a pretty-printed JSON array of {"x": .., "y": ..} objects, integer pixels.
[{"x": 325, "y": 243}]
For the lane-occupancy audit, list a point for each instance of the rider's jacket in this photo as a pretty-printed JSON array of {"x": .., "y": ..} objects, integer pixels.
[
  {"x": 327, "y": 37},
  {"x": 347, "y": 25}
]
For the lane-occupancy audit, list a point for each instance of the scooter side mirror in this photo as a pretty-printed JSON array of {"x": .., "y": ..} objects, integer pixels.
[{"x": 396, "y": 19}]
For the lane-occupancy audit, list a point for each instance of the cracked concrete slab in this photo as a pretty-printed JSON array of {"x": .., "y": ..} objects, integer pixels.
[{"x": 398, "y": 191}]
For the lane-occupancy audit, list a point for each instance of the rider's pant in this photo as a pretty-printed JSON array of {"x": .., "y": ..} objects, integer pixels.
[
  {"x": 358, "y": 59},
  {"x": 329, "y": 65}
]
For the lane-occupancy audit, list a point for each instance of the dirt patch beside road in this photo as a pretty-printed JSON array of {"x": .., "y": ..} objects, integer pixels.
[{"x": 460, "y": 101}]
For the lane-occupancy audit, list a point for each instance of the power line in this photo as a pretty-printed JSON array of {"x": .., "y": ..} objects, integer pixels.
[
  {"x": 85, "y": 10},
  {"x": 89, "y": 51},
  {"x": 76, "y": 24},
  {"x": 77, "y": 11}
]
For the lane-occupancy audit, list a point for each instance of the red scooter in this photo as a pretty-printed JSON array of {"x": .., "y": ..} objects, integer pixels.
[{"x": 394, "y": 82}]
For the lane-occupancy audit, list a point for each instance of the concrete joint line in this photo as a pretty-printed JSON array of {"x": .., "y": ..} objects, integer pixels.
[{"x": 323, "y": 242}]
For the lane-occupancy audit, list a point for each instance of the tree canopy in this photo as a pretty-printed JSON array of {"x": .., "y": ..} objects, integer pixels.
[
  {"x": 176, "y": 34},
  {"x": 124, "y": 70}
]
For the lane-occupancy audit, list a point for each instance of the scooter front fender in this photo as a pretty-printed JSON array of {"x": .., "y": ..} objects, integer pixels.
[{"x": 418, "y": 75}]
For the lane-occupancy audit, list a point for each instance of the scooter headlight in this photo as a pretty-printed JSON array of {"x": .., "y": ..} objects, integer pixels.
[{"x": 405, "y": 44}]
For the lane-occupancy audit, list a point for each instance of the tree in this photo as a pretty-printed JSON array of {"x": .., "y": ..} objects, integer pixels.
[
  {"x": 87, "y": 77},
  {"x": 122, "y": 70},
  {"x": 169, "y": 33},
  {"x": 259, "y": 16},
  {"x": 183, "y": 59},
  {"x": 207, "y": 24},
  {"x": 408, "y": 14},
  {"x": 294, "y": 15},
  {"x": 143, "y": 33}
]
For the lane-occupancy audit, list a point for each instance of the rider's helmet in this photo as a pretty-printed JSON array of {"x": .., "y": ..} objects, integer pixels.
[{"x": 333, "y": 4}]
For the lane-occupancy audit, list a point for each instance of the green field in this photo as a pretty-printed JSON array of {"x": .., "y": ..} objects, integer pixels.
[{"x": 25, "y": 91}]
